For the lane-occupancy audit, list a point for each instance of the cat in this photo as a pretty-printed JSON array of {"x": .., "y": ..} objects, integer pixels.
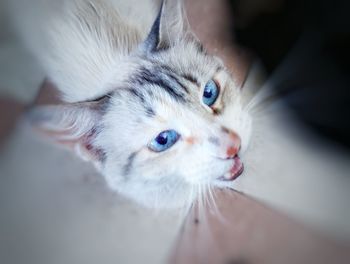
[{"x": 160, "y": 118}]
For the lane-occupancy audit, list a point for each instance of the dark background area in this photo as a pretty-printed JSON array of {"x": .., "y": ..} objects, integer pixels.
[{"x": 305, "y": 47}]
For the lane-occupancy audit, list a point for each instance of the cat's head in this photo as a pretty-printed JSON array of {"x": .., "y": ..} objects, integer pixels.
[{"x": 173, "y": 126}]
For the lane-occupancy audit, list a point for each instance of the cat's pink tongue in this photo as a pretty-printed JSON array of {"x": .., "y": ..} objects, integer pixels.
[{"x": 236, "y": 169}]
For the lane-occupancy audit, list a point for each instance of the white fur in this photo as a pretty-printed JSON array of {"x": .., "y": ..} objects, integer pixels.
[
  {"x": 78, "y": 60},
  {"x": 91, "y": 48}
]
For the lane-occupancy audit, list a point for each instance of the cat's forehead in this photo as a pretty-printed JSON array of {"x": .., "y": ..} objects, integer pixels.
[
  {"x": 166, "y": 87},
  {"x": 154, "y": 98}
]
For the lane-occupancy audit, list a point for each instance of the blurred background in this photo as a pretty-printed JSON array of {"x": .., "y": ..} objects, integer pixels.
[
  {"x": 304, "y": 47},
  {"x": 55, "y": 208}
]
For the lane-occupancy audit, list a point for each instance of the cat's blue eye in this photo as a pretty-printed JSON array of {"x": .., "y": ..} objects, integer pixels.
[
  {"x": 210, "y": 93},
  {"x": 163, "y": 141}
]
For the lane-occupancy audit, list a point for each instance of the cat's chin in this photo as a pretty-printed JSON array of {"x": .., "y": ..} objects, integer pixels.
[{"x": 235, "y": 171}]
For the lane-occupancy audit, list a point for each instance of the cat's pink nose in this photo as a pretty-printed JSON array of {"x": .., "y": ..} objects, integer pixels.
[{"x": 233, "y": 143}]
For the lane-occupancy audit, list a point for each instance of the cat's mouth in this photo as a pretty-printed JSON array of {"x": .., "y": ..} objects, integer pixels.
[{"x": 235, "y": 171}]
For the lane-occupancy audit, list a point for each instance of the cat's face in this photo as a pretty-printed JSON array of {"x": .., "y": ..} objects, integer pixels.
[{"x": 173, "y": 126}]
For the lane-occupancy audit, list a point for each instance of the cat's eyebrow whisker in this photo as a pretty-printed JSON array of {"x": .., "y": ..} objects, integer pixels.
[
  {"x": 255, "y": 101},
  {"x": 264, "y": 94}
]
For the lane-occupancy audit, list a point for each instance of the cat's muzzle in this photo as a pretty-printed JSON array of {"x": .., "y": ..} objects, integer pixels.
[{"x": 235, "y": 171}]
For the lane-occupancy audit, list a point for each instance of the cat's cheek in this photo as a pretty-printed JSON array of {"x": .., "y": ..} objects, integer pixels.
[
  {"x": 202, "y": 167},
  {"x": 245, "y": 129},
  {"x": 237, "y": 119}
]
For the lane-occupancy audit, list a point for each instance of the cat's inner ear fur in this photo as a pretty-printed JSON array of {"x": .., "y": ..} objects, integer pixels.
[
  {"x": 72, "y": 125},
  {"x": 170, "y": 25}
]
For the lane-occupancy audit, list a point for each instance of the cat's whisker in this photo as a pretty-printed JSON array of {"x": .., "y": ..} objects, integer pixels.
[
  {"x": 217, "y": 212},
  {"x": 206, "y": 231},
  {"x": 194, "y": 195},
  {"x": 190, "y": 198},
  {"x": 211, "y": 204},
  {"x": 260, "y": 97},
  {"x": 211, "y": 201},
  {"x": 215, "y": 203},
  {"x": 201, "y": 208}
]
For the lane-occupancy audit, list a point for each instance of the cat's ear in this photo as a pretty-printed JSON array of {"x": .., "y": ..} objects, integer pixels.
[
  {"x": 170, "y": 25},
  {"x": 72, "y": 125}
]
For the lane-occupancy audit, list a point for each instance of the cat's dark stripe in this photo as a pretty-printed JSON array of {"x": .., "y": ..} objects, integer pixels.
[
  {"x": 191, "y": 79},
  {"x": 103, "y": 99},
  {"x": 175, "y": 79},
  {"x": 161, "y": 80},
  {"x": 148, "y": 109},
  {"x": 150, "y": 93},
  {"x": 137, "y": 94},
  {"x": 200, "y": 47},
  {"x": 170, "y": 73},
  {"x": 168, "y": 88},
  {"x": 128, "y": 166},
  {"x": 93, "y": 8},
  {"x": 150, "y": 112},
  {"x": 219, "y": 68}
]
